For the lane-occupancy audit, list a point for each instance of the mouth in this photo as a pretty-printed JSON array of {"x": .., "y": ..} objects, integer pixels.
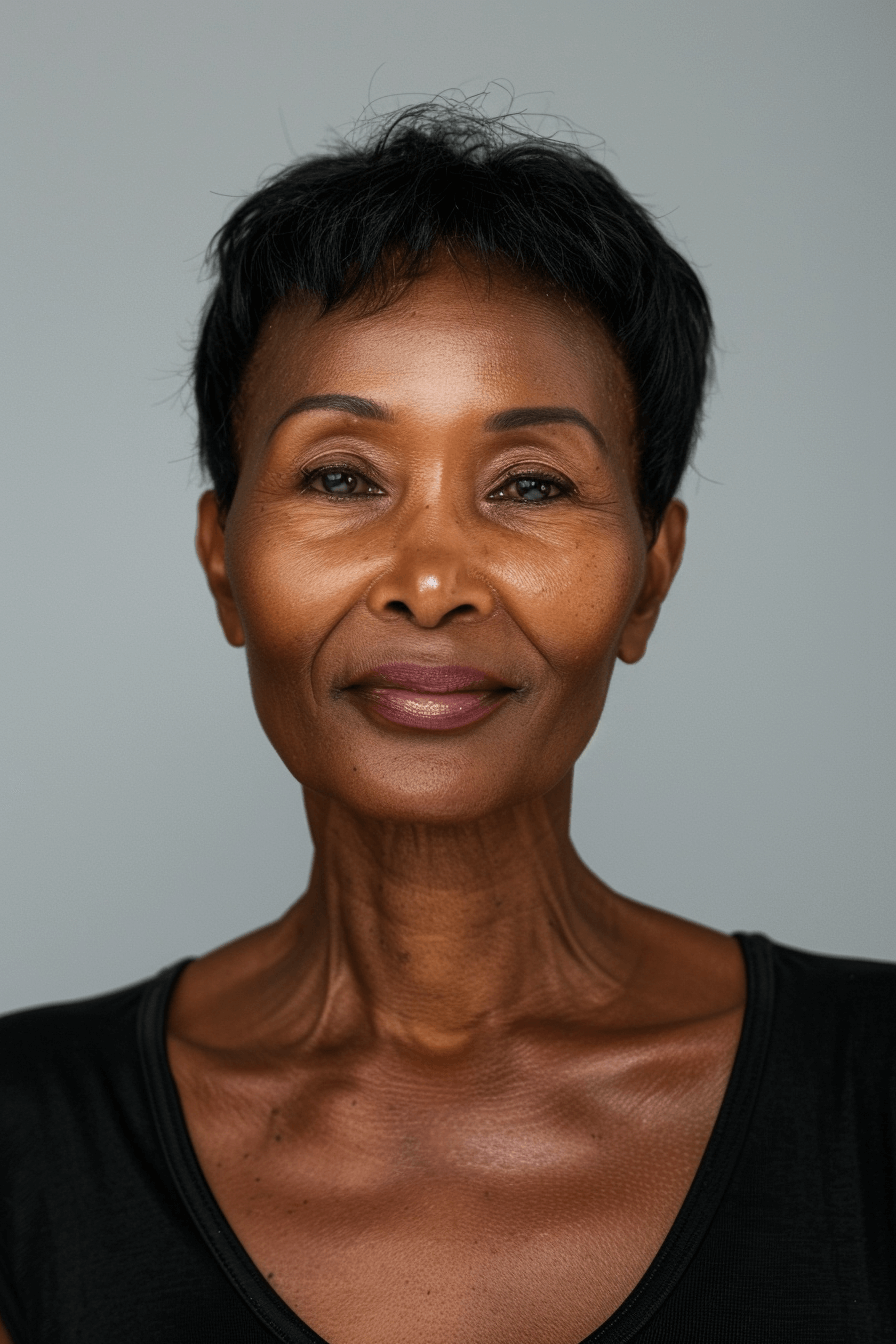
[{"x": 432, "y": 698}]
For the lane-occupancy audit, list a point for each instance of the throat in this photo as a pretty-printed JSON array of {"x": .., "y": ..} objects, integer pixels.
[{"x": 438, "y": 933}]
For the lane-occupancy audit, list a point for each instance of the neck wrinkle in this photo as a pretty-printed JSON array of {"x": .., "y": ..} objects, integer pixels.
[{"x": 434, "y": 935}]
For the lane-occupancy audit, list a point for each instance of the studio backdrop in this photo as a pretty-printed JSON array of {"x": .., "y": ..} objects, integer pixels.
[{"x": 744, "y": 772}]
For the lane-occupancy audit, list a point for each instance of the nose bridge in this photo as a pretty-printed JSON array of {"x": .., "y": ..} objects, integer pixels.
[{"x": 433, "y": 572}]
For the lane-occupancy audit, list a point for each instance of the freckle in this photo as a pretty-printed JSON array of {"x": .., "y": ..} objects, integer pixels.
[
  {"x": 271, "y": 1275},
  {"x": 278, "y": 1137},
  {"x": 275, "y": 1111},
  {"x": 304, "y": 1201},
  {"x": 245, "y": 1155},
  {"x": 258, "y": 1178}
]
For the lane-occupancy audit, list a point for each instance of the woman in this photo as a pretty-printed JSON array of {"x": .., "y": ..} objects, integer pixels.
[{"x": 462, "y": 1091}]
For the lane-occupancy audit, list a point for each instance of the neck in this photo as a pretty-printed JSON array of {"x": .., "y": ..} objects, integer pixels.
[{"x": 436, "y": 932}]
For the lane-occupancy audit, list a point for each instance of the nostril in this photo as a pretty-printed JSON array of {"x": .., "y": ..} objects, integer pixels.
[{"x": 398, "y": 608}]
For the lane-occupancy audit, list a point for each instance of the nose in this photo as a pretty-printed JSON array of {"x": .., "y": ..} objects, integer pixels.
[{"x": 432, "y": 580}]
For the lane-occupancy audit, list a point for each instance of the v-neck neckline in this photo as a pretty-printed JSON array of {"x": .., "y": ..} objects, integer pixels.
[{"x": 662, "y": 1274}]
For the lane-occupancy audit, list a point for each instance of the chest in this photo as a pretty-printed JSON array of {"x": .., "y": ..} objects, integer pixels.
[{"x": 381, "y": 1211}]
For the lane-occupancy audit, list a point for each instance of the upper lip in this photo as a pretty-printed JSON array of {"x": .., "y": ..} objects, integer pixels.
[{"x": 431, "y": 679}]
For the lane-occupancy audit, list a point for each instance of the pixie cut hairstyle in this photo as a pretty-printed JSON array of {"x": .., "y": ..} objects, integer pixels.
[{"x": 364, "y": 219}]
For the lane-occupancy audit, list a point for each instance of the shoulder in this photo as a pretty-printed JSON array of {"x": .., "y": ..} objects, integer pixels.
[
  {"x": 852, "y": 983},
  {"x": 51, "y": 1056},
  {"x": 74, "y": 1103},
  {"x": 34, "y": 1036},
  {"x": 841, "y": 1009},
  {"x": 81, "y": 1166}
]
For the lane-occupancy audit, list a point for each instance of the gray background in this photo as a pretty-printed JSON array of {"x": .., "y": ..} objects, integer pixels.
[{"x": 744, "y": 773}]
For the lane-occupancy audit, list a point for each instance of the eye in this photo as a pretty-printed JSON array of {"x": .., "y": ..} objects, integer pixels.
[
  {"x": 339, "y": 483},
  {"x": 530, "y": 489}
]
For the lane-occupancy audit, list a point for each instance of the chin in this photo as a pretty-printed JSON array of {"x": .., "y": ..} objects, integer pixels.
[{"x": 430, "y": 797}]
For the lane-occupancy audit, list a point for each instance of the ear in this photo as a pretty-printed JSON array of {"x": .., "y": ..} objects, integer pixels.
[
  {"x": 210, "y": 549},
  {"x": 663, "y": 560}
]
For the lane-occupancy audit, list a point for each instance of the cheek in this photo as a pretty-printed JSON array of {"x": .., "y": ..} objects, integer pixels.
[
  {"x": 288, "y": 601},
  {"x": 573, "y": 599},
  {"x": 289, "y": 598}
]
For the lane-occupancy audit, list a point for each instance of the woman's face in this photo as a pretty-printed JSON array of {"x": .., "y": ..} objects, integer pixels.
[{"x": 435, "y": 555}]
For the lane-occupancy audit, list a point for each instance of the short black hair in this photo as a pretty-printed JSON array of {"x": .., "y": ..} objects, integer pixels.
[{"x": 440, "y": 175}]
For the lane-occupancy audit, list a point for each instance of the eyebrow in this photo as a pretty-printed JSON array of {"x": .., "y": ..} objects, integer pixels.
[
  {"x": 524, "y": 417},
  {"x": 517, "y": 417},
  {"x": 335, "y": 401}
]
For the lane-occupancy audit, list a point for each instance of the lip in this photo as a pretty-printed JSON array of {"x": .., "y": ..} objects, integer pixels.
[
  {"x": 429, "y": 680},
  {"x": 435, "y": 698}
]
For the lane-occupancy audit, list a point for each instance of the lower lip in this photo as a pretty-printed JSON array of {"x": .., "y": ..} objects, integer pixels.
[{"x": 438, "y": 713}]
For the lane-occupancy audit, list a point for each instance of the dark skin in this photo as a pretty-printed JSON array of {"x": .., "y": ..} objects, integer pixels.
[{"x": 460, "y": 1090}]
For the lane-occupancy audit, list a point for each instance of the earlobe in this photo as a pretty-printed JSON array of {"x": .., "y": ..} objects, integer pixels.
[
  {"x": 663, "y": 560},
  {"x": 210, "y": 549}
]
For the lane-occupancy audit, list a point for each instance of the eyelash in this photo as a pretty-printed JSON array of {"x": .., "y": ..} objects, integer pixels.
[
  {"x": 343, "y": 468},
  {"x": 338, "y": 469},
  {"x": 541, "y": 478}
]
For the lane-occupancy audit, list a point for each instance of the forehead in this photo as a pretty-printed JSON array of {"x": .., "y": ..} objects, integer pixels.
[{"x": 458, "y": 341}]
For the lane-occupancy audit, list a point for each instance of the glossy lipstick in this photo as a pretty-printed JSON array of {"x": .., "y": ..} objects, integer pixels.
[{"x": 433, "y": 698}]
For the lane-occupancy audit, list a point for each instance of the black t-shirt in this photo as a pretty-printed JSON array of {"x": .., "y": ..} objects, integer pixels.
[{"x": 109, "y": 1232}]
